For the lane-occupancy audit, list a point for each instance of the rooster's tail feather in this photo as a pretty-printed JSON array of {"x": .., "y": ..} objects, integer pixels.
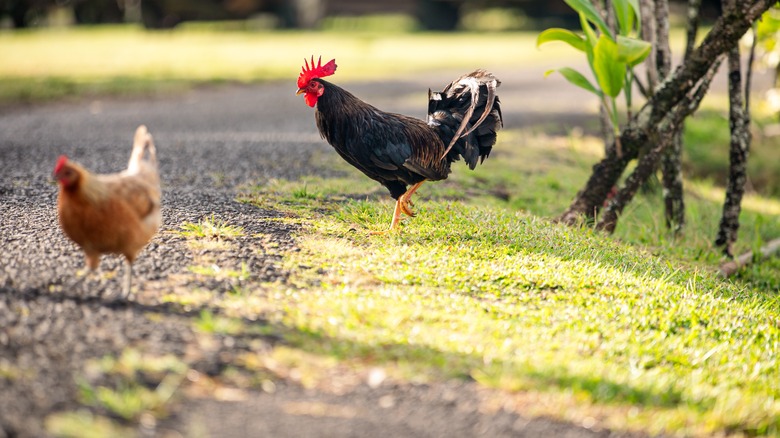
[{"x": 467, "y": 114}]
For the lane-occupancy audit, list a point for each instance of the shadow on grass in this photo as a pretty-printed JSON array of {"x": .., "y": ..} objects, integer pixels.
[{"x": 423, "y": 358}]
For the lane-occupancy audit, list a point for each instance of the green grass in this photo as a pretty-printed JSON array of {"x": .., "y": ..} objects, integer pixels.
[
  {"x": 635, "y": 330},
  {"x": 211, "y": 229},
  {"x": 208, "y": 323},
  {"x": 706, "y": 151},
  {"x": 84, "y": 424},
  {"x": 128, "y": 389},
  {"x": 54, "y": 63}
]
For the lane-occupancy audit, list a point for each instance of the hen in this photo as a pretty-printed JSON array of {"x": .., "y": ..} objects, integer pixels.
[
  {"x": 400, "y": 151},
  {"x": 111, "y": 214}
]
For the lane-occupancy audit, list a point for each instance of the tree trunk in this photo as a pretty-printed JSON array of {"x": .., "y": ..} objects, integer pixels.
[
  {"x": 661, "y": 140},
  {"x": 606, "y": 173},
  {"x": 671, "y": 162},
  {"x": 739, "y": 122},
  {"x": 724, "y": 35},
  {"x": 671, "y": 159},
  {"x": 671, "y": 169},
  {"x": 646, "y": 166},
  {"x": 647, "y": 12}
]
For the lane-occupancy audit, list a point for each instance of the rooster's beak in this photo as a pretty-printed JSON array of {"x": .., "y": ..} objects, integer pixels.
[{"x": 300, "y": 91}]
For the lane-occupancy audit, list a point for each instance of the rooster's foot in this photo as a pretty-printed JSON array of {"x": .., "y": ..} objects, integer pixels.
[{"x": 406, "y": 206}]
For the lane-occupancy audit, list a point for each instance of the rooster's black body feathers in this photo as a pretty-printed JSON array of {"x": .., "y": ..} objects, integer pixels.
[{"x": 398, "y": 150}]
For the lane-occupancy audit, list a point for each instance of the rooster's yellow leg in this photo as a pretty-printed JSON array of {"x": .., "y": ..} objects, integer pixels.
[
  {"x": 406, "y": 199},
  {"x": 396, "y": 219}
]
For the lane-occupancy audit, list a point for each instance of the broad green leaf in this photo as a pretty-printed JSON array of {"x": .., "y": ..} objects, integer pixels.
[
  {"x": 635, "y": 7},
  {"x": 564, "y": 35},
  {"x": 610, "y": 71},
  {"x": 632, "y": 51},
  {"x": 586, "y": 8},
  {"x": 576, "y": 78},
  {"x": 625, "y": 16},
  {"x": 590, "y": 38}
]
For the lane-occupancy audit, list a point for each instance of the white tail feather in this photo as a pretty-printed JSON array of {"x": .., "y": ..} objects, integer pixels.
[{"x": 142, "y": 141}]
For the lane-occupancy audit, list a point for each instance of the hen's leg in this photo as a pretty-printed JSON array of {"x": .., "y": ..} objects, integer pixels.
[
  {"x": 128, "y": 279},
  {"x": 406, "y": 199},
  {"x": 93, "y": 261},
  {"x": 87, "y": 272}
]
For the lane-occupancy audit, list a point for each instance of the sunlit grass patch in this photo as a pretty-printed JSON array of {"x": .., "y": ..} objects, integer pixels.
[
  {"x": 44, "y": 64},
  {"x": 217, "y": 272},
  {"x": 11, "y": 372},
  {"x": 189, "y": 299},
  {"x": 26, "y": 89},
  {"x": 126, "y": 396},
  {"x": 707, "y": 144},
  {"x": 633, "y": 331},
  {"x": 84, "y": 424},
  {"x": 210, "y": 228},
  {"x": 522, "y": 305},
  {"x": 207, "y": 322}
]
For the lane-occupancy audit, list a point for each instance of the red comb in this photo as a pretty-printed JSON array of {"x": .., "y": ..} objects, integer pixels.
[
  {"x": 309, "y": 72},
  {"x": 60, "y": 163}
]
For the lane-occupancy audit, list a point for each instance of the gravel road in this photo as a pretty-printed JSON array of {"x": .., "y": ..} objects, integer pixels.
[{"x": 210, "y": 141}]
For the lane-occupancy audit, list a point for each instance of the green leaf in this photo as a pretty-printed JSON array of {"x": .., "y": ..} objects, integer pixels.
[
  {"x": 635, "y": 7},
  {"x": 625, "y": 16},
  {"x": 632, "y": 51},
  {"x": 590, "y": 38},
  {"x": 586, "y": 8},
  {"x": 610, "y": 71},
  {"x": 564, "y": 35},
  {"x": 576, "y": 78}
]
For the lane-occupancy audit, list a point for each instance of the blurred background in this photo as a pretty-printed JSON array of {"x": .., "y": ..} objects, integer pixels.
[
  {"x": 440, "y": 15},
  {"x": 96, "y": 50}
]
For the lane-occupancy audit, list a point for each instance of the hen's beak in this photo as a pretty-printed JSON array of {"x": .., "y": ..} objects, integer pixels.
[{"x": 300, "y": 91}]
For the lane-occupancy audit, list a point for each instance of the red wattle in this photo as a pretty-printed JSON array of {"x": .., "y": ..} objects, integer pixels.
[{"x": 310, "y": 99}]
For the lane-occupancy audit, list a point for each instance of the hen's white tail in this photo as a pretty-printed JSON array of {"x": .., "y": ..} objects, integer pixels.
[{"x": 142, "y": 141}]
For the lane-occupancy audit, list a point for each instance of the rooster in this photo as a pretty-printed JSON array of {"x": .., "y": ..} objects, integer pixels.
[
  {"x": 402, "y": 152},
  {"x": 111, "y": 214}
]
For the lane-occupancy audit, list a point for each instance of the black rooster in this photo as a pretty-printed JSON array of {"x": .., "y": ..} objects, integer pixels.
[{"x": 400, "y": 151}]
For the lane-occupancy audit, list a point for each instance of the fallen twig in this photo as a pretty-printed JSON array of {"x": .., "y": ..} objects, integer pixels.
[{"x": 731, "y": 267}]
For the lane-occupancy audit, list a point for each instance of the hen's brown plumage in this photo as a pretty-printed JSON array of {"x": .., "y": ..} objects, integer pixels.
[{"x": 111, "y": 214}]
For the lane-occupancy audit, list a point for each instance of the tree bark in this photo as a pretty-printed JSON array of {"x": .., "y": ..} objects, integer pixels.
[
  {"x": 739, "y": 123},
  {"x": 672, "y": 179},
  {"x": 649, "y": 34},
  {"x": 724, "y": 35},
  {"x": 661, "y": 140},
  {"x": 671, "y": 161}
]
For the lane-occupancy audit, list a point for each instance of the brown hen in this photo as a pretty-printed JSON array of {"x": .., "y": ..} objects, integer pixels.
[{"x": 112, "y": 214}]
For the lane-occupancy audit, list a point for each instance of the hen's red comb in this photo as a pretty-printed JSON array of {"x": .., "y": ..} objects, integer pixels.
[
  {"x": 60, "y": 163},
  {"x": 309, "y": 72}
]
